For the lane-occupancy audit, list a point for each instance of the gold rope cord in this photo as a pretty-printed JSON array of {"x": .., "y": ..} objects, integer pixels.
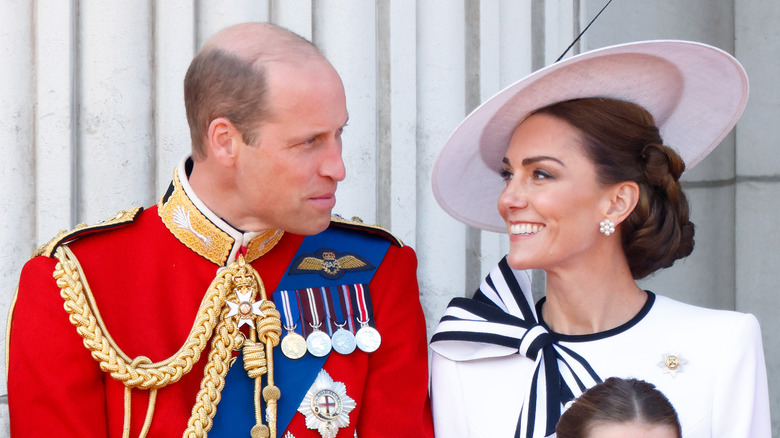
[
  {"x": 228, "y": 338},
  {"x": 128, "y": 413},
  {"x": 139, "y": 372},
  {"x": 142, "y": 373}
]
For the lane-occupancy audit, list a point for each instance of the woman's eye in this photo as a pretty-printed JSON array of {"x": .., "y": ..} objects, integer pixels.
[
  {"x": 506, "y": 175},
  {"x": 541, "y": 174}
]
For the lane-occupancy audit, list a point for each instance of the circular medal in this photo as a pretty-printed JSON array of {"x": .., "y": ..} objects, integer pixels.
[
  {"x": 293, "y": 345},
  {"x": 368, "y": 339},
  {"x": 326, "y": 405},
  {"x": 343, "y": 341},
  {"x": 318, "y": 343}
]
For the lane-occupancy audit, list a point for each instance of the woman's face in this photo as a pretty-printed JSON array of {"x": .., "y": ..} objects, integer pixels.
[
  {"x": 552, "y": 203},
  {"x": 631, "y": 430}
]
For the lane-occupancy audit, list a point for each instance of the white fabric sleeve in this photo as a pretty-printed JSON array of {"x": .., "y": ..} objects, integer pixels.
[
  {"x": 449, "y": 409},
  {"x": 741, "y": 404}
]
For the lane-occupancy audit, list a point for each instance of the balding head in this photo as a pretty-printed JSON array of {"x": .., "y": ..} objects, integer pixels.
[
  {"x": 262, "y": 42},
  {"x": 228, "y": 77}
]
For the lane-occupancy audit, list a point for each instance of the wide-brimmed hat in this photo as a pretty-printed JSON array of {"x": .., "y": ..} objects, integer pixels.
[{"x": 695, "y": 92}]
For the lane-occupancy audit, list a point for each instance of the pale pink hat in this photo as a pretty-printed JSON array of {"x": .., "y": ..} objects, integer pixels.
[{"x": 695, "y": 92}]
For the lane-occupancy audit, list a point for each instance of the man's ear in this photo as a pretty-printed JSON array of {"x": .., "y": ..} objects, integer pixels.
[
  {"x": 221, "y": 139},
  {"x": 623, "y": 199}
]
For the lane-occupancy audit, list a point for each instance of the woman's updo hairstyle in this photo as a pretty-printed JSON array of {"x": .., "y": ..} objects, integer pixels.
[{"x": 622, "y": 140}]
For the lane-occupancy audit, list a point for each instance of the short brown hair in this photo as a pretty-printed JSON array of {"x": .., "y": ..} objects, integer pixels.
[
  {"x": 622, "y": 140},
  {"x": 220, "y": 84},
  {"x": 617, "y": 401},
  {"x": 228, "y": 78}
]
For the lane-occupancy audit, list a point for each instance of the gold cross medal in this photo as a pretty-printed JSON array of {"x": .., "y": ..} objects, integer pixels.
[{"x": 326, "y": 406}]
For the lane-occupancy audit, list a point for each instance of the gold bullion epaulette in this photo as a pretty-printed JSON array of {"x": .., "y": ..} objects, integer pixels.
[
  {"x": 357, "y": 224},
  {"x": 122, "y": 218}
]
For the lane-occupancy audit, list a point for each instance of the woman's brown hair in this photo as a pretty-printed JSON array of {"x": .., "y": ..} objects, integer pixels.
[
  {"x": 617, "y": 401},
  {"x": 622, "y": 140}
]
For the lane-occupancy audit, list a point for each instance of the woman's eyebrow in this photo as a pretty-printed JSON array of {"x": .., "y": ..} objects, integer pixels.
[{"x": 532, "y": 160}]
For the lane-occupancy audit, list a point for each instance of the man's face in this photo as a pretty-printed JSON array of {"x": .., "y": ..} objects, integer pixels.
[{"x": 288, "y": 178}]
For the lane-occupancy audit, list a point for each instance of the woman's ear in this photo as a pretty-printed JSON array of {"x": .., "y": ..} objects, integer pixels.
[
  {"x": 623, "y": 199},
  {"x": 221, "y": 141}
]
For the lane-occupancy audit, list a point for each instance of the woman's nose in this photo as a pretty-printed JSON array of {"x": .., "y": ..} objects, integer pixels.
[{"x": 513, "y": 197}]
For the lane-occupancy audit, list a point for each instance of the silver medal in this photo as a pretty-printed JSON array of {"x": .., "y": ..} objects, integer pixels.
[
  {"x": 368, "y": 338},
  {"x": 293, "y": 345},
  {"x": 344, "y": 341},
  {"x": 318, "y": 343}
]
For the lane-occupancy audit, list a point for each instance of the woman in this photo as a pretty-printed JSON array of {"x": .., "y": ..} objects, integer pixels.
[
  {"x": 591, "y": 195},
  {"x": 620, "y": 408}
]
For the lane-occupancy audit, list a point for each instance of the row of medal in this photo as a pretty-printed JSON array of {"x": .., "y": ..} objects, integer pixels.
[{"x": 321, "y": 319}]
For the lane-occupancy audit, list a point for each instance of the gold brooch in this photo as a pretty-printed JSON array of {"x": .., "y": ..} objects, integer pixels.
[{"x": 672, "y": 364}]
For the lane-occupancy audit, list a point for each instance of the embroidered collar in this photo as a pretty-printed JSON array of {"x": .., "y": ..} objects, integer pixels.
[{"x": 202, "y": 231}]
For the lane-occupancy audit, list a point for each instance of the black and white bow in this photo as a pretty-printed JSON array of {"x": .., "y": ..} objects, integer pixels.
[{"x": 500, "y": 321}]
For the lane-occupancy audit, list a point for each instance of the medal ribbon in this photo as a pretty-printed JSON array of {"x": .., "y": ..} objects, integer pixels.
[
  {"x": 500, "y": 321},
  {"x": 363, "y": 304},
  {"x": 346, "y": 306},
  {"x": 325, "y": 305},
  {"x": 311, "y": 301},
  {"x": 289, "y": 321}
]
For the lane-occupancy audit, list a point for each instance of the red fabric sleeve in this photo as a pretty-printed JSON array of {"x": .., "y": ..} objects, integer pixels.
[
  {"x": 54, "y": 385},
  {"x": 395, "y": 399}
]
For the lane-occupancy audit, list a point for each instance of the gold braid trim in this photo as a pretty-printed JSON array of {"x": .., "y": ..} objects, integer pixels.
[
  {"x": 212, "y": 318},
  {"x": 226, "y": 339},
  {"x": 139, "y": 372}
]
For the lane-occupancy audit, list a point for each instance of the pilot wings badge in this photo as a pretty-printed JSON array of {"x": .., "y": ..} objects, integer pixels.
[{"x": 329, "y": 264}]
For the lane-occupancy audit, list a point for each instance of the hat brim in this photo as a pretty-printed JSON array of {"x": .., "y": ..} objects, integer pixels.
[{"x": 695, "y": 92}]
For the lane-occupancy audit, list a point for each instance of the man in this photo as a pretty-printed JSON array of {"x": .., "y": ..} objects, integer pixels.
[{"x": 139, "y": 326}]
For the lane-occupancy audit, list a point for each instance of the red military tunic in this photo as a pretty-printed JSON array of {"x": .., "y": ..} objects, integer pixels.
[{"x": 148, "y": 277}]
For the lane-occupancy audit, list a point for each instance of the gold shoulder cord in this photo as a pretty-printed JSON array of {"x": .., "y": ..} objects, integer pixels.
[{"x": 236, "y": 284}]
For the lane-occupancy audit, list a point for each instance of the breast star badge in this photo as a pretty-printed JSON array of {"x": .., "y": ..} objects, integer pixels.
[
  {"x": 672, "y": 364},
  {"x": 327, "y": 406}
]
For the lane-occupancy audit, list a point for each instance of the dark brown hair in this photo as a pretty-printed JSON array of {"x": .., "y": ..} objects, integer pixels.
[
  {"x": 617, "y": 401},
  {"x": 625, "y": 145}
]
